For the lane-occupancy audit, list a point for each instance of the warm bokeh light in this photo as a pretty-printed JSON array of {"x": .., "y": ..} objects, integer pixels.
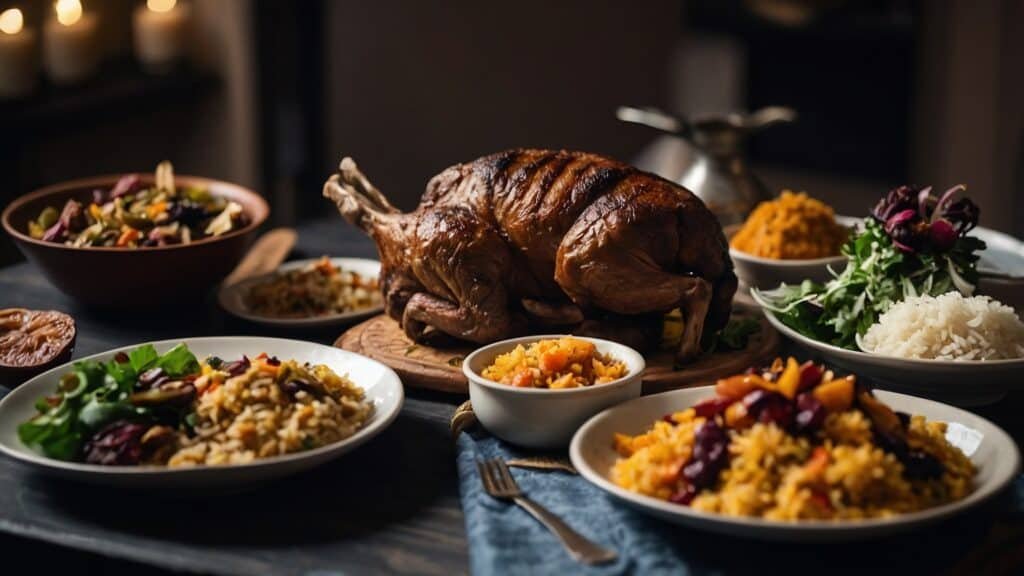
[
  {"x": 11, "y": 21},
  {"x": 68, "y": 11},
  {"x": 161, "y": 5}
]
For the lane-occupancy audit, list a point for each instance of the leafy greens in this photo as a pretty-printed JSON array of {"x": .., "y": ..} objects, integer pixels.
[
  {"x": 94, "y": 394},
  {"x": 909, "y": 253}
]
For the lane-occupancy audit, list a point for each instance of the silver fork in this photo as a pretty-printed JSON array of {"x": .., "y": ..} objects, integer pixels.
[{"x": 498, "y": 482}]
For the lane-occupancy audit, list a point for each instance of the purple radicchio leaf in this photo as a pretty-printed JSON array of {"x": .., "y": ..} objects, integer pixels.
[{"x": 942, "y": 235}]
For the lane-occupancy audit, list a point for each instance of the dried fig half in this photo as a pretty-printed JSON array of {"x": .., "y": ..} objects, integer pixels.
[{"x": 32, "y": 341}]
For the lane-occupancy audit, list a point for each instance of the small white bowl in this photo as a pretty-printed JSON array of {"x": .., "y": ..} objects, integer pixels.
[
  {"x": 765, "y": 273},
  {"x": 539, "y": 417}
]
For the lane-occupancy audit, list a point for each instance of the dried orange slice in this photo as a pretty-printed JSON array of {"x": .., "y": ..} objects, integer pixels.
[{"x": 31, "y": 341}]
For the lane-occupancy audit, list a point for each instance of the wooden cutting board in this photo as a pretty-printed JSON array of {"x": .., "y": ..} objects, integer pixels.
[{"x": 438, "y": 369}]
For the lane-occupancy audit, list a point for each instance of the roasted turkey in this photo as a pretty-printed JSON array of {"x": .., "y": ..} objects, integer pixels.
[{"x": 533, "y": 239}]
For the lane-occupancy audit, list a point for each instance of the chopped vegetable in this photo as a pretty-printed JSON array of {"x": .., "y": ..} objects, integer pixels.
[
  {"x": 130, "y": 215},
  {"x": 96, "y": 394}
]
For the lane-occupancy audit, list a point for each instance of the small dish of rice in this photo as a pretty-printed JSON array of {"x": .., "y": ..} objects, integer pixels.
[
  {"x": 947, "y": 327},
  {"x": 555, "y": 364}
]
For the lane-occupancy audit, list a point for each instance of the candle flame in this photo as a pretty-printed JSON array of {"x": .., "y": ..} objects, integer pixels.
[
  {"x": 68, "y": 11},
  {"x": 161, "y": 5},
  {"x": 11, "y": 21}
]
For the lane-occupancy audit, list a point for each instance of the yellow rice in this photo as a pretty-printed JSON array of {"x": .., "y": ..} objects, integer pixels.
[
  {"x": 562, "y": 363},
  {"x": 768, "y": 476}
]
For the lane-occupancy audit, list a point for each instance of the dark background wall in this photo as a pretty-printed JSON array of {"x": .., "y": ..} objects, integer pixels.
[
  {"x": 413, "y": 87},
  {"x": 889, "y": 91}
]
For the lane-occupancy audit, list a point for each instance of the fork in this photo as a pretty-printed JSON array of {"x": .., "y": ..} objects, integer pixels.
[{"x": 499, "y": 483}]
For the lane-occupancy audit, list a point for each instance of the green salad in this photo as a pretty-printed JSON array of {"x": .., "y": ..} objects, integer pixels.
[
  {"x": 912, "y": 244},
  {"x": 94, "y": 394}
]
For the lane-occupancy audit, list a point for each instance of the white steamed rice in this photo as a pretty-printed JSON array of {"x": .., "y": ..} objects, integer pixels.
[{"x": 947, "y": 327}]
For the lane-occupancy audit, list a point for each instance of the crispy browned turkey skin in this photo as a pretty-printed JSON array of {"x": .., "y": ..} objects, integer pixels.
[{"x": 544, "y": 237}]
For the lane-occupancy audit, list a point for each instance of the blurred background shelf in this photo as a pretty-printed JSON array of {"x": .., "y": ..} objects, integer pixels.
[{"x": 120, "y": 90}]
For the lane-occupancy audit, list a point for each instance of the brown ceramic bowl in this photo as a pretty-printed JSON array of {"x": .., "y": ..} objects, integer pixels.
[{"x": 133, "y": 277}]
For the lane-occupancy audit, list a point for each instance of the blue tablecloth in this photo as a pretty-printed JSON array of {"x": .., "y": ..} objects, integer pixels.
[{"x": 504, "y": 539}]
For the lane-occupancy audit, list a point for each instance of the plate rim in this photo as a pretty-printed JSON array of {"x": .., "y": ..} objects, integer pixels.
[
  {"x": 882, "y": 360},
  {"x": 228, "y": 297},
  {"x": 328, "y": 451},
  {"x": 778, "y": 528}
]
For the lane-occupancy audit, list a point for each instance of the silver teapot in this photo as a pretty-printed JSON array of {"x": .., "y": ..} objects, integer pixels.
[{"x": 707, "y": 156}]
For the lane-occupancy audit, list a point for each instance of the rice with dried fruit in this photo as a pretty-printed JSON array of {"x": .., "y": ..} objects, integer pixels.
[
  {"x": 270, "y": 410},
  {"x": 837, "y": 471}
]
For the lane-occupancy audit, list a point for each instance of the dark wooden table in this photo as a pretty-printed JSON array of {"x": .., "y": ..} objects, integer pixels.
[{"x": 389, "y": 507}]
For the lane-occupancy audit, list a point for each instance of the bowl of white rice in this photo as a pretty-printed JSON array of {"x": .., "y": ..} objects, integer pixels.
[
  {"x": 961, "y": 350},
  {"x": 950, "y": 326}
]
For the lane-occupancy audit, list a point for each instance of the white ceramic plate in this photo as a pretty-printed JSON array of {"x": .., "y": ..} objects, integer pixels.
[
  {"x": 382, "y": 386},
  {"x": 1003, "y": 254},
  {"x": 967, "y": 383},
  {"x": 989, "y": 447},
  {"x": 232, "y": 298}
]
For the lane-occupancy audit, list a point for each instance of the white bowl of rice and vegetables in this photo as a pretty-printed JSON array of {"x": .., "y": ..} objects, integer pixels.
[
  {"x": 794, "y": 450},
  {"x": 162, "y": 407},
  {"x": 536, "y": 390},
  {"x": 904, "y": 311}
]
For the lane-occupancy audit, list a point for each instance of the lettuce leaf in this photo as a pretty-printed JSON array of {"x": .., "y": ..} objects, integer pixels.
[{"x": 178, "y": 361}]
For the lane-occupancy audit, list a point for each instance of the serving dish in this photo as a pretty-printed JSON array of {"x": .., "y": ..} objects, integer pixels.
[
  {"x": 232, "y": 297},
  {"x": 113, "y": 277},
  {"x": 964, "y": 383},
  {"x": 382, "y": 387},
  {"x": 759, "y": 272},
  {"x": 990, "y": 449},
  {"x": 539, "y": 417}
]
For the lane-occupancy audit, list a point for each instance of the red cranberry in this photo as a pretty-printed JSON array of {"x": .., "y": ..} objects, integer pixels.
[
  {"x": 810, "y": 375},
  {"x": 684, "y": 496},
  {"x": 769, "y": 408},
  {"x": 712, "y": 406},
  {"x": 810, "y": 413}
]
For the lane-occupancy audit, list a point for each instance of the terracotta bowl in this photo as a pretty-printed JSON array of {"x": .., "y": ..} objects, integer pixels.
[{"x": 133, "y": 277}]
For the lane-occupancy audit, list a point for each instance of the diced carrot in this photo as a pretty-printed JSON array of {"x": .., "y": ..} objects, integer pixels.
[
  {"x": 623, "y": 445},
  {"x": 818, "y": 462},
  {"x": 736, "y": 416},
  {"x": 836, "y": 395},
  {"x": 154, "y": 210},
  {"x": 736, "y": 386},
  {"x": 789, "y": 380},
  {"x": 554, "y": 361},
  {"x": 325, "y": 267},
  {"x": 523, "y": 379},
  {"x": 740, "y": 385},
  {"x": 128, "y": 235},
  {"x": 580, "y": 350},
  {"x": 670, "y": 472}
]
